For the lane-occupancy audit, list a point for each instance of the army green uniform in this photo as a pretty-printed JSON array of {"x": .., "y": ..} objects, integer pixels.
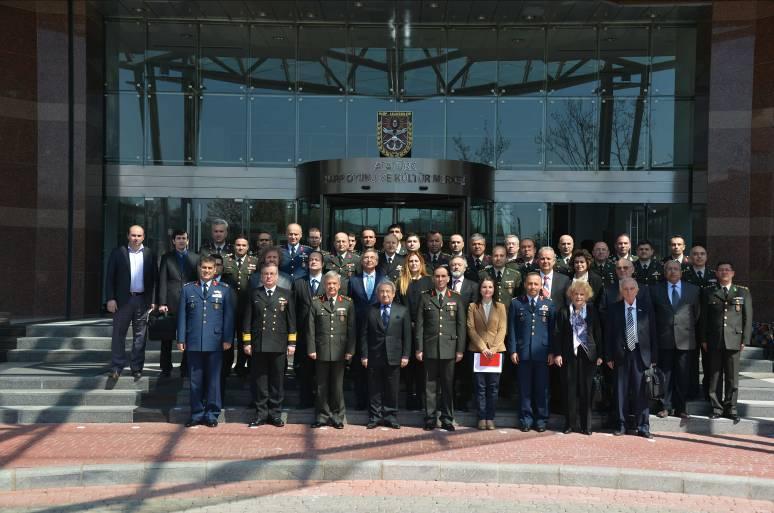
[
  {"x": 238, "y": 278},
  {"x": 209, "y": 248},
  {"x": 563, "y": 267},
  {"x": 605, "y": 271},
  {"x": 331, "y": 334},
  {"x": 726, "y": 325},
  {"x": 507, "y": 286},
  {"x": 707, "y": 280},
  {"x": 345, "y": 265},
  {"x": 440, "y": 333},
  {"x": 650, "y": 276}
]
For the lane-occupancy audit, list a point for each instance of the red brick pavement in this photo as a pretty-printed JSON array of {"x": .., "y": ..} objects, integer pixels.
[{"x": 67, "y": 444}]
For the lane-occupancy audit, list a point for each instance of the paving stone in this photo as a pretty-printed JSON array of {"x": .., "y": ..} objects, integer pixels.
[
  {"x": 47, "y": 477},
  {"x": 411, "y": 470},
  {"x": 339, "y": 470}
]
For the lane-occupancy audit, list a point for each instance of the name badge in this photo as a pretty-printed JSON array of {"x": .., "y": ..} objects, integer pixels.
[
  {"x": 282, "y": 303},
  {"x": 217, "y": 293}
]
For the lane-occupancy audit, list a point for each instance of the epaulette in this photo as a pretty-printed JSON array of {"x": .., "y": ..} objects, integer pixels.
[
  {"x": 742, "y": 287},
  {"x": 428, "y": 291},
  {"x": 223, "y": 283},
  {"x": 345, "y": 298},
  {"x": 490, "y": 266},
  {"x": 190, "y": 283}
]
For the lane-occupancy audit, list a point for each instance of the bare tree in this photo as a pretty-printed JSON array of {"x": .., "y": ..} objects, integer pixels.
[
  {"x": 571, "y": 134},
  {"x": 490, "y": 148}
]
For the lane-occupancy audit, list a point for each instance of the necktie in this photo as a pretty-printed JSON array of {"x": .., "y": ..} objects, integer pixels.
[
  {"x": 389, "y": 260},
  {"x": 699, "y": 274},
  {"x": 292, "y": 252},
  {"x": 369, "y": 285},
  {"x": 268, "y": 293},
  {"x": 204, "y": 289},
  {"x": 532, "y": 305},
  {"x": 456, "y": 285},
  {"x": 435, "y": 259},
  {"x": 385, "y": 316},
  {"x": 545, "y": 290},
  {"x": 239, "y": 263},
  {"x": 478, "y": 264},
  {"x": 333, "y": 303},
  {"x": 675, "y": 295},
  {"x": 645, "y": 267},
  {"x": 725, "y": 292},
  {"x": 440, "y": 299},
  {"x": 314, "y": 287},
  {"x": 499, "y": 275},
  {"x": 631, "y": 331}
]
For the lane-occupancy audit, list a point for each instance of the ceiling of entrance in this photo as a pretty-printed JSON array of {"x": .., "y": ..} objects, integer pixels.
[{"x": 411, "y": 11}]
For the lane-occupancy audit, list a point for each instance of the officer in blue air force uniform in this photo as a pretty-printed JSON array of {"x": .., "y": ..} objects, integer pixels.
[
  {"x": 530, "y": 328},
  {"x": 205, "y": 328}
]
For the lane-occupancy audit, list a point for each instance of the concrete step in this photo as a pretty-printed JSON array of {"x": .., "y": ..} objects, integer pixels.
[
  {"x": 753, "y": 393},
  {"x": 750, "y": 408},
  {"x": 74, "y": 355},
  {"x": 753, "y": 353},
  {"x": 94, "y": 328},
  {"x": 752, "y": 365},
  {"x": 60, "y": 414},
  {"x": 103, "y": 343},
  {"x": 69, "y": 397},
  {"x": 125, "y": 382}
]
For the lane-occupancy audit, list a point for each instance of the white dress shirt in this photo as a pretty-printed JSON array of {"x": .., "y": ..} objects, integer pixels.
[
  {"x": 487, "y": 310},
  {"x": 136, "y": 268}
]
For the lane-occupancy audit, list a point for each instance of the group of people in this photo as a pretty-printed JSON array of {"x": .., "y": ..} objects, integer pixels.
[{"x": 455, "y": 327}]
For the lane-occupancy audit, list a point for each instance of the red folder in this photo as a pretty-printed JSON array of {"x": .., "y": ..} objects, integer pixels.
[{"x": 494, "y": 361}]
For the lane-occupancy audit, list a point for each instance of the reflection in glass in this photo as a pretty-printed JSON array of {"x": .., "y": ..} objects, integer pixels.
[
  {"x": 523, "y": 220},
  {"x": 171, "y": 56},
  {"x": 520, "y": 121},
  {"x": 472, "y": 61},
  {"x": 362, "y": 125},
  {"x": 623, "y": 54},
  {"x": 355, "y": 219},
  {"x": 623, "y": 134},
  {"x": 269, "y": 215},
  {"x": 170, "y": 128},
  {"x": 321, "y": 128},
  {"x": 522, "y": 66},
  {"x": 674, "y": 61},
  {"x": 422, "y": 62},
  {"x": 272, "y": 130},
  {"x": 371, "y": 61},
  {"x": 123, "y": 134},
  {"x": 222, "y": 129},
  {"x": 422, "y": 220},
  {"x": 272, "y": 59},
  {"x": 572, "y": 61},
  {"x": 124, "y": 55},
  {"x": 471, "y": 134},
  {"x": 206, "y": 210},
  {"x": 671, "y": 132},
  {"x": 571, "y": 134},
  {"x": 481, "y": 213},
  {"x": 322, "y": 55},
  {"x": 223, "y": 58},
  {"x": 429, "y": 117}
]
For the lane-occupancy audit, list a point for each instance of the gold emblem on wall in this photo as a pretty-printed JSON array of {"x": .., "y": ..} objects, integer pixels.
[{"x": 394, "y": 134}]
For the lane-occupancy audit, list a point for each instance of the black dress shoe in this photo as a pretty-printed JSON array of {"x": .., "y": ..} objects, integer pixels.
[
  {"x": 212, "y": 423},
  {"x": 541, "y": 429},
  {"x": 392, "y": 424},
  {"x": 192, "y": 423},
  {"x": 619, "y": 432},
  {"x": 735, "y": 417},
  {"x": 277, "y": 422},
  {"x": 429, "y": 426},
  {"x": 166, "y": 373},
  {"x": 524, "y": 429},
  {"x": 317, "y": 425},
  {"x": 567, "y": 430},
  {"x": 447, "y": 426},
  {"x": 114, "y": 374},
  {"x": 136, "y": 374},
  {"x": 586, "y": 432},
  {"x": 372, "y": 425},
  {"x": 645, "y": 434},
  {"x": 714, "y": 416},
  {"x": 257, "y": 422},
  {"x": 338, "y": 425}
]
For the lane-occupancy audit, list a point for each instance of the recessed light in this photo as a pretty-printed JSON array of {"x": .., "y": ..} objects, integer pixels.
[
  {"x": 262, "y": 14},
  {"x": 529, "y": 17},
  {"x": 358, "y": 4},
  {"x": 652, "y": 15},
  {"x": 310, "y": 15},
  {"x": 139, "y": 9},
  {"x": 434, "y": 5},
  {"x": 481, "y": 18}
]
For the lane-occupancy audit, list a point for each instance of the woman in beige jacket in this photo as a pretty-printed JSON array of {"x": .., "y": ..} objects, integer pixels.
[{"x": 487, "y": 322}]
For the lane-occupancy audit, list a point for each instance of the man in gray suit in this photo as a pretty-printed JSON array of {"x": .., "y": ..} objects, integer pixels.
[{"x": 677, "y": 307}]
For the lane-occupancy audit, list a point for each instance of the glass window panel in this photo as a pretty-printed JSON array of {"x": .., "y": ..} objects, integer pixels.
[
  {"x": 572, "y": 61},
  {"x": 170, "y": 128},
  {"x": 321, "y": 128},
  {"x": 521, "y": 219},
  {"x": 674, "y": 61},
  {"x": 624, "y": 59},
  {"x": 124, "y": 55},
  {"x": 423, "y": 62},
  {"x": 362, "y": 125},
  {"x": 520, "y": 121},
  {"x": 671, "y": 132},
  {"x": 623, "y": 134},
  {"x": 206, "y": 210},
  {"x": 273, "y": 59},
  {"x": 222, "y": 125},
  {"x": 521, "y": 58},
  {"x": 429, "y": 117},
  {"x": 571, "y": 133},
  {"x": 223, "y": 58},
  {"x": 171, "y": 57},
  {"x": 422, "y": 220},
  {"x": 322, "y": 67},
  {"x": 472, "y": 61},
  {"x": 470, "y": 131},
  {"x": 356, "y": 218},
  {"x": 371, "y": 61},
  {"x": 481, "y": 213},
  {"x": 272, "y": 130},
  {"x": 271, "y": 216},
  {"x": 123, "y": 133}
]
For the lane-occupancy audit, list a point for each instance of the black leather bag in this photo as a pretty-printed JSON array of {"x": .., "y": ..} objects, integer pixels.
[
  {"x": 162, "y": 327},
  {"x": 653, "y": 380}
]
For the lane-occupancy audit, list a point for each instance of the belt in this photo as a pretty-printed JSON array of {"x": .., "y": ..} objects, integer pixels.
[{"x": 136, "y": 293}]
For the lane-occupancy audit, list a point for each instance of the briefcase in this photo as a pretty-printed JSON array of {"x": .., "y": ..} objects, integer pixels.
[
  {"x": 654, "y": 383},
  {"x": 162, "y": 327}
]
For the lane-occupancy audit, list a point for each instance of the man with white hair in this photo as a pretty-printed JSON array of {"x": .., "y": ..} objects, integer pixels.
[{"x": 554, "y": 284}]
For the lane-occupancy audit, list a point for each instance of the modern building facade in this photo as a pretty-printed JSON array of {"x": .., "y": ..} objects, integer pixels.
[{"x": 531, "y": 117}]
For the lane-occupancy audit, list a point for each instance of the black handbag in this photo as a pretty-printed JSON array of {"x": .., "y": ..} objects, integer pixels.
[
  {"x": 162, "y": 327},
  {"x": 654, "y": 383}
]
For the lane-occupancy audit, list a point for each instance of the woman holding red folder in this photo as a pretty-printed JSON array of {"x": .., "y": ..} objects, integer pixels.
[{"x": 487, "y": 323}]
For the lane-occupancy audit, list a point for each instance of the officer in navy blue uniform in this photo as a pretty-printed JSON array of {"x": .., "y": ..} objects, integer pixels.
[
  {"x": 205, "y": 328},
  {"x": 293, "y": 260},
  {"x": 531, "y": 326}
]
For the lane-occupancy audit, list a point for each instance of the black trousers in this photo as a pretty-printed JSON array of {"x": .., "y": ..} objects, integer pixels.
[
  {"x": 268, "y": 371},
  {"x": 726, "y": 362},
  {"x": 383, "y": 388},
  {"x": 439, "y": 389},
  {"x": 676, "y": 366},
  {"x": 329, "y": 403},
  {"x": 165, "y": 357},
  {"x": 576, "y": 376},
  {"x": 133, "y": 312},
  {"x": 631, "y": 394}
]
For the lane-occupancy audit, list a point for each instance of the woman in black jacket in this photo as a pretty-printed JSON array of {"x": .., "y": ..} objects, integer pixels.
[{"x": 581, "y": 265}]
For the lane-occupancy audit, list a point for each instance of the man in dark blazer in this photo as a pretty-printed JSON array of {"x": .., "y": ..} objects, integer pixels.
[
  {"x": 676, "y": 304},
  {"x": 477, "y": 259},
  {"x": 726, "y": 327},
  {"x": 130, "y": 283},
  {"x": 269, "y": 333},
  {"x": 177, "y": 268},
  {"x": 631, "y": 348},
  {"x": 304, "y": 290},
  {"x": 554, "y": 284},
  {"x": 624, "y": 268},
  {"x": 362, "y": 290},
  {"x": 390, "y": 262},
  {"x": 385, "y": 345}
]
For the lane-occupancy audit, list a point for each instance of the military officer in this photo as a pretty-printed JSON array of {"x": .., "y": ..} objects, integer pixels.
[
  {"x": 477, "y": 259},
  {"x": 294, "y": 254},
  {"x": 531, "y": 326},
  {"x": 237, "y": 270},
  {"x": 703, "y": 277},
  {"x": 647, "y": 270},
  {"x": 623, "y": 248},
  {"x": 512, "y": 249},
  {"x": 218, "y": 244},
  {"x": 390, "y": 262},
  {"x": 435, "y": 255},
  {"x": 314, "y": 238},
  {"x": 331, "y": 338},
  {"x": 397, "y": 230},
  {"x": 602, "y": 266},
  {"x": 269, "y": 333},
  {"x": 205, "y": 329},
  {"x": 564, "y": 258},
  {"x": 726, "y": 328},
  {"x": 440, "y": 337},
  {"x": 342, "y": 260},
  {"x": 507, "y": 280}
]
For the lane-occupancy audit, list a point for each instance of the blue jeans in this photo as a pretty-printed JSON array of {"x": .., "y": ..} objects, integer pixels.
[{"x": 487, "y": 387}]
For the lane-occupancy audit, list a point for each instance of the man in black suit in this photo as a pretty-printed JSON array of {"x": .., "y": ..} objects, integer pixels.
[
  {"x": 129, "y": 286},
  {"x": 554, "y": 283},
  {"x": 390, "y": 262},
  {"x": 177, "y": 268},
  {"x": 385, "y": 344},
  {"x": 304, "y": 289},
  {"x": 676, "y": 304},
  {"x": 624, "y": 268},
  {"x": 478, "y": 259},
  {"x": 632, "y": 348},
  {"x": 460, "y": 283}
]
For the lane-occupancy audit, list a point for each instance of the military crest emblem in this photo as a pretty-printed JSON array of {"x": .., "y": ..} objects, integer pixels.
[{"x": 394, "y": 134}]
